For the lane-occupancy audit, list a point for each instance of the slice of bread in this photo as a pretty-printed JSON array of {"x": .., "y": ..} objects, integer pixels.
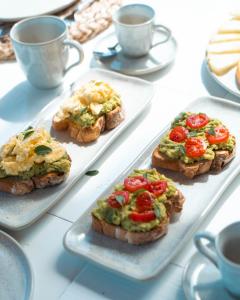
[
  {"x": 222, "y": 157},
  {"x": 219, "y": 38},
  {"x": 89, "y": 134},
  {"x": 220, "y": 64},
  {"x": 16, "y": 186},
  {"x": 231, "y": 26},
  {"x": 136, "y": 238},
  {"x": 224, "y": 47}
]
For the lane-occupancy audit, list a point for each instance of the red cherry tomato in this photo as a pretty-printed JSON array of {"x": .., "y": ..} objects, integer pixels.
[
  {"x": 195, "y": 147},
  {"x": 158, "y": 187},
  {"x": 144, "y": 202},
  {"x": 132, "y": 184},
  {"x": 112, "y": 199},
  {"x": 221, "y": 135},
  {"x": 146, "y": 216},
  {"x": 178, "y": 134},
  {"x": 196, "y": 121}
]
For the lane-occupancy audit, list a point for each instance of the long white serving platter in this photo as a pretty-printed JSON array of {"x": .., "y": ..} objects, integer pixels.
[
  {"x": 17, "y": 212},
  {"x": 202, "y": 193}
]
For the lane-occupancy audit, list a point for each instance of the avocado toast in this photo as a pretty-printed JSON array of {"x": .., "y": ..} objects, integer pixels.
[
  {"x": 32, "y": 159},
  {"x": 139, "y": 210},
  {"x": 92, "y": 109},
  {"x": 194, "y": 145}
]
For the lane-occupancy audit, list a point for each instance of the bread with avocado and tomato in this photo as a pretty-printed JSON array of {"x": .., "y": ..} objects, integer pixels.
[
  {"x": 139, "y": 210},
  {"x": 194, "y": 145},
  {"x": 32, "y": 160},
  {"x": 92, "y": 109}
]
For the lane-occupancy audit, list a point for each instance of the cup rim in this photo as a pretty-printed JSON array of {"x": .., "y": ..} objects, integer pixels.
[
  {"x": 219, "y": 250},
  {"x": 115, "y": 20},
  {"x": 34, "y": 18}
]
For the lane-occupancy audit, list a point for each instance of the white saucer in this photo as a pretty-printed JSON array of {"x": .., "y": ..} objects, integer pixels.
[
  {"x": 202, "y": 280},
  {"x": 158, "y": 57}
]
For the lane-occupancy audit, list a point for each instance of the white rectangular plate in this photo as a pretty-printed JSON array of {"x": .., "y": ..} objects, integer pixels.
[
  {"x": 143, "y": 262},
  {"x": 17, "y": 212}
]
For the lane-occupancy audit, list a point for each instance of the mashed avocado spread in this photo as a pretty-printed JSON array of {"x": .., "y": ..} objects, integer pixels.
[
  {"x": 121, "y": 216},
  {"x": 176, "y": 150}
]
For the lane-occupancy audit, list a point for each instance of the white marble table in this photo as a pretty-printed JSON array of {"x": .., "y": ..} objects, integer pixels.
[{"x": 60, "y": 275}]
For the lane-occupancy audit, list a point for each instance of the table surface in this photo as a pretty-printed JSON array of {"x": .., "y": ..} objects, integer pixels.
[{"x": 61, "y": 275}]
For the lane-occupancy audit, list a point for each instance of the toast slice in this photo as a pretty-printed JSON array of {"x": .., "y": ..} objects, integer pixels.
[
  {"x": 222, "y": 157},
  {"x": 136, "y": 238},
  {"x": 139, "y": 210},
  {"x": 18, "y": 186},
  {"x": 30, "y": 160},
  {"x": 89, "y": 134}
]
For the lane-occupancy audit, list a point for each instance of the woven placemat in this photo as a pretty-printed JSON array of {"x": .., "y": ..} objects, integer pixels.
[
  {"x": 88, "y": 22},
  {"x": 93, "y": 19}
]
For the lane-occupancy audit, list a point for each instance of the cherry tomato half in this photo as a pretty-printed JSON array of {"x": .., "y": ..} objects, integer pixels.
[
  {"x": 221, "y": 135},
  {"x": 122, "y": 195},
  {"x": 195, "y": 147},
  {"x": 158, "y": 187},
  {"x": 178, "y": 134},
  {"x": 146, "y": 216},
  {"x": 132, "y": 184},
  {"x": 196, "y": 121},
  {"x": 144, "y": 201}
]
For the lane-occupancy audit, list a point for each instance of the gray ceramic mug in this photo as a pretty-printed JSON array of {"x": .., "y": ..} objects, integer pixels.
[
  {"x": 135, "y": 28},
  {"x": 224, "y": 253},
  {"x": 42, "y": 49}
]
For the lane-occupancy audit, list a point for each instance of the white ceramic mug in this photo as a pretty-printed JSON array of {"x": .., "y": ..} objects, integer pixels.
[
  {"x": 42, "y": 49},
  {"x": 224, "y": 254},
  {"x": 134, "y": 27}
]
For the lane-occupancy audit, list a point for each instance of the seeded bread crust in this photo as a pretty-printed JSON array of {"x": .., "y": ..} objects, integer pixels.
[
  {"x": 222, "y": 157},
  {"x": 17, "y": 186},
  {"x": 136, "y": 238},
  {"x": 90, "y": 134}
]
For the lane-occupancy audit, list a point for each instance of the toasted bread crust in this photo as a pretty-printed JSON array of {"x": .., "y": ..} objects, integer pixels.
[
  {"x": 17, "y": 186},
  {"x": 114, "y": 118},
  {"x": 222, "y": 157},
  {"x": 136, "y": 238},
  {"x": 90, "y": 134},
  {"x": 174, "y": 204}
]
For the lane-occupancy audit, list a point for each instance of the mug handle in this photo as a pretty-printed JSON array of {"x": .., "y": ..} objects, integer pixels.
[
  {"x": 79, "y": 49},
  {"x": 204, "y": 249},
  {"x": 166, "y": 30}
]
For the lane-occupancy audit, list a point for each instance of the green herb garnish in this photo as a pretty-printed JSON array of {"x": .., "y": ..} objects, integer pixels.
[
  {"x": 182, "y": 149},
  {"x": 145, "y": 175},
  {"x": 120, "y": 199},
  {"x": 27, "y": 133},
  {"x": 192, "y": 133},
  {"x": 211, "y": 131},
  {"x": 157, "y": 211},
  {"x": 92, "y": 172},
  {"x": 83, "y": 110},
  {"x": 42, "y": 150},
  {"x": 138, "y": 192}
]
